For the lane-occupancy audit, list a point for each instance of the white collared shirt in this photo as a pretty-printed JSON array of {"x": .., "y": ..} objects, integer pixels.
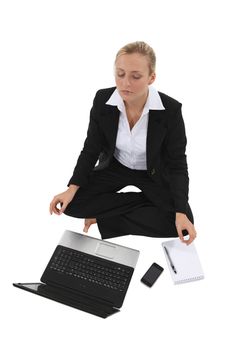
[{"x": 130, "y": 147}]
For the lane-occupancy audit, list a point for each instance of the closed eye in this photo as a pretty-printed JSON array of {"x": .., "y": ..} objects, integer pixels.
[{"x": 134, "y": 76}]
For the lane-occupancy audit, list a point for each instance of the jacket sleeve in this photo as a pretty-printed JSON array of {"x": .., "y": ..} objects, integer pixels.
[
  {"x": 176, "y": 160},
  {"x": 90, "y": 152}
]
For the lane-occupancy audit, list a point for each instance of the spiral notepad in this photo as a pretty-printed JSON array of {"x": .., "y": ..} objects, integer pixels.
[{"x": 185, "y": 260}]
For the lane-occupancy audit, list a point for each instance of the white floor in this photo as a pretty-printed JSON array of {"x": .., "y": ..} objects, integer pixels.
[{"x": 194, "y": 315}]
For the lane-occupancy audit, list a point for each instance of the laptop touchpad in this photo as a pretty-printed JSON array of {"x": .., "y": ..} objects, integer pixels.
[{"x": 106, "y": 250}]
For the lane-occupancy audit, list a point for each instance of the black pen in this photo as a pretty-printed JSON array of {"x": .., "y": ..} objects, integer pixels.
[{"x": 170, "y": 260}]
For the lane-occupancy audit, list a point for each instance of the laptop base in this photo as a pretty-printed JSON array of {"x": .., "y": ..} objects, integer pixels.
[{"x": 70, "y": 299}]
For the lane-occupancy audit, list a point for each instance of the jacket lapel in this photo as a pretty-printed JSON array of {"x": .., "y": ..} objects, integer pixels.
[
  {"x": 111, "y": 120},
  {"x": 155, "y": 134}
]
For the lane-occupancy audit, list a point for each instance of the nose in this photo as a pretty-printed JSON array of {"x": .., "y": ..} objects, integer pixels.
[{"x": 126, "y": 82}]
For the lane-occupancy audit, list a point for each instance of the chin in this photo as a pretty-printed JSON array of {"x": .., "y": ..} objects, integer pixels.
[{"x": 127, "y": 97}]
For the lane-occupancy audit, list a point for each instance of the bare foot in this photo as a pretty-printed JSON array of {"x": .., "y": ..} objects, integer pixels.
[{"x": 88, "y": 223}]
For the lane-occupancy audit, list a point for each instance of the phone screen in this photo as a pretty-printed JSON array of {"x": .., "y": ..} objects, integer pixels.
[{"x": 152, "y": 274}]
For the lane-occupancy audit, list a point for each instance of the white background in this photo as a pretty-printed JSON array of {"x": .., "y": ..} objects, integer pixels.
[{"x": 54, "y": 56}]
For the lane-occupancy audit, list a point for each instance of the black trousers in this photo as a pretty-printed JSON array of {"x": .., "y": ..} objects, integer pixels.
[{"x": 119, "y": 214}]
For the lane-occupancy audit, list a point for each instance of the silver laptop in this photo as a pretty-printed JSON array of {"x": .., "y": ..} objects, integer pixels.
[{"x": 87, "y": 273}]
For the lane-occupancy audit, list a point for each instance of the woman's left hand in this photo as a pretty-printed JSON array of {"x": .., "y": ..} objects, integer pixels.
[{"x": 183, "y": 223}]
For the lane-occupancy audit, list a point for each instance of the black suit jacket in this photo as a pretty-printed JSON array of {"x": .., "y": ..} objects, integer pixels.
[{"x": 166, "y": 143}]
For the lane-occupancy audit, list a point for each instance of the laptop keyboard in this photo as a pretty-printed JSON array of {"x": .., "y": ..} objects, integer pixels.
[{"x": 92, "y": 269}]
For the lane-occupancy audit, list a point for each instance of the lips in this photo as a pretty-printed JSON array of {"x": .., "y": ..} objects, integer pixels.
[{"x": 126, "y": 92}]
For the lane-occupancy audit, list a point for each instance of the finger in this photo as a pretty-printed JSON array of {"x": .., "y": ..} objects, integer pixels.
[
  {"x": 51, "y": 207},
  {"x": 87, "y": 224},
  {"x": 180, "y": 234},
  {"x": 189, "y": 241},
  {"x": 63, "y": 207},
  {"x": 86, "y": 227},
  {"x": 192, "y": 236},
  {"x": 54, "y": 208}
]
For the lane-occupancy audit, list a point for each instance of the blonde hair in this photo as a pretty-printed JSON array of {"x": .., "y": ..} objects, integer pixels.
[{"x": 142, "y": 48}]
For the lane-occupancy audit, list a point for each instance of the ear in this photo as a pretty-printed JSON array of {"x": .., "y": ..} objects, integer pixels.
[{"x": 152, "y": 78}]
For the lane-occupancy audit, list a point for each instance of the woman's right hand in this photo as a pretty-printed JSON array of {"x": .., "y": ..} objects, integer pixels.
[{"x": 63, "y": 199}]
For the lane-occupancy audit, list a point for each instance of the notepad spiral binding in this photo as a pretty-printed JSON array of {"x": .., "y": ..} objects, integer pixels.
[{"x": 193, "y": 279}]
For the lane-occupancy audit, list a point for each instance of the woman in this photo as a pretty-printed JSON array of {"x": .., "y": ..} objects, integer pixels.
[{"x": 138, "y": 136}]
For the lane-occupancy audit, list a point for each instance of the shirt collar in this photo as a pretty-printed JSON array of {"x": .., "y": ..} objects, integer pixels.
[{"x": 153, "y": 100}]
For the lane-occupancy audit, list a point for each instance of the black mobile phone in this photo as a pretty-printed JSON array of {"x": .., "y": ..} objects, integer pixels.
[{"x": 152, "y": 274}]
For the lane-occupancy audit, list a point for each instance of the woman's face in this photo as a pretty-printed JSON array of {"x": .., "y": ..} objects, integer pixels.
[{"x": 132, "y": 77}]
